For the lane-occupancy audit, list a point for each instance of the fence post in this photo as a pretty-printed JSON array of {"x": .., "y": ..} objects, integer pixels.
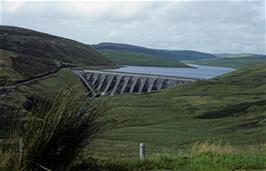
[{"x": 142, "y": 151}]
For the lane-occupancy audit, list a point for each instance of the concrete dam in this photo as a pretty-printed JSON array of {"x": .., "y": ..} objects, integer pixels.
[{"x": 105, "y": 83}]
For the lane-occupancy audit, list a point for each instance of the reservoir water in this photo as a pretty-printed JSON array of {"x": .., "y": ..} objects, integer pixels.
[{"x": 198, "y": 71}]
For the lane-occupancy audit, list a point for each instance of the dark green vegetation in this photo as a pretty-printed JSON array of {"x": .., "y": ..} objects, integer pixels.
[
  {"x": 25, "y": 53},
  {"x": 139, "y": 59},
  {"x": 168, "y": 54},
  {"x": 234, "y": 62},
  {"x": 230, "y": 108}
]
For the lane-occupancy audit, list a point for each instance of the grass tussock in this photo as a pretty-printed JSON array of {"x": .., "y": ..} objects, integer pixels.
[{"x": 53, "y": 134}]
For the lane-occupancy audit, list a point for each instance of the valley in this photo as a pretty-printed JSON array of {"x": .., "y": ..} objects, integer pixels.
[{"x": 226, "y": 108}]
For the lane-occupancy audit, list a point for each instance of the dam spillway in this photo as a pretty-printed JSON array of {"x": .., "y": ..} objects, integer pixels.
[{"x": 105, "y": 83}]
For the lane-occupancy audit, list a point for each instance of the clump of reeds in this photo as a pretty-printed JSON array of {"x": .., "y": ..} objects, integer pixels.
[{"x": 54, "y": 133}]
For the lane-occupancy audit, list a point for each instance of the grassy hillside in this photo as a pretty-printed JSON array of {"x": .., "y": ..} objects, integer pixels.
[
  {"x": 25, "y": 53},
  {"x": 234, "y": 62},
  {"x": 13, "y": 100},
  {"x": 139, "y": 59},
  {"x": 231, "y": 108},
  {"x": 47, "y": 88},
  {"x": 169, "y": 54},
  {"x": 238, "y": 55}
]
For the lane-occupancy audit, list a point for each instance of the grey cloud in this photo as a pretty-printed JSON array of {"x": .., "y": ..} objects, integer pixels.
[{"x": 211, "y": 26}]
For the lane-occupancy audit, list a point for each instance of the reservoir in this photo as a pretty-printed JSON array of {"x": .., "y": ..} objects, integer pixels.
[{"x": 198, "y": 71}]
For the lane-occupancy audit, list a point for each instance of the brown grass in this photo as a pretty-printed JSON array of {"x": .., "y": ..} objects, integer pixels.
[{"x": 207, "y": 147}]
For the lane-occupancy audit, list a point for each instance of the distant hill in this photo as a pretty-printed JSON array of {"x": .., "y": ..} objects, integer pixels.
[
  {"x": 169, "y": 54},
  {"x": 123, "y": 57},
  {"x": 25, "y": 53},
  {"x": 234, "y": 60},
  {"x": 238, "y": 55}
]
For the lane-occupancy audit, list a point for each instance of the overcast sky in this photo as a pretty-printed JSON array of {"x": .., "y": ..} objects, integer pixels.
[{"x": 210, "y": 26}]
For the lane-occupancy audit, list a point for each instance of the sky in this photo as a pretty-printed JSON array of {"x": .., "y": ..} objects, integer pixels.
[{"x": 228, "y": 26}]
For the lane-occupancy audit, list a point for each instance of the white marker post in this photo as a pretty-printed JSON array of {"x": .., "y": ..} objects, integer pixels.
[{"x": 142, "y": 151}]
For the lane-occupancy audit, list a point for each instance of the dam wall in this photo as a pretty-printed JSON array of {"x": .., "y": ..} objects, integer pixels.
[{"x": 105, "y": 83}]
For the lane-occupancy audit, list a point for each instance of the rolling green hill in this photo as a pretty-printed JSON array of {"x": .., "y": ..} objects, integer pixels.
[
  {"x": 234, "y": 62},
  {"x": 140, "y": 59},
  {"x": 231, "y": 108},
  {"x": 167, "y": 54},
  {"x": 238, "y": 55},
  {"x": 26, "y": 53}
]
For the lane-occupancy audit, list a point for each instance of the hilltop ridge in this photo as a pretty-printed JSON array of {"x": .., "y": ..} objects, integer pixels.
[
  {"x": 25, "y": 53},
  {"x": 168, "y": 54}
]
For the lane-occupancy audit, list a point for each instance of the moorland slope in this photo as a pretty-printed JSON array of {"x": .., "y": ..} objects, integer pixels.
[{"x": 26, "y": 53}]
